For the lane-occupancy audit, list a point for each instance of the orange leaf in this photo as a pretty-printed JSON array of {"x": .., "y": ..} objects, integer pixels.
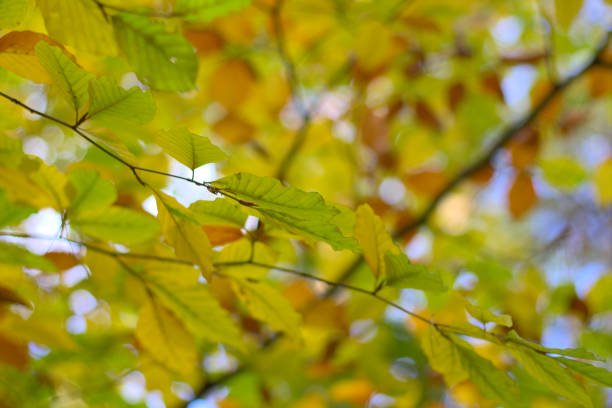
[
  {"x": 205, "y": 41},
  {"x": 600, "y": 81},
  {"x": 483, "y": 174},
  {"x": 524, "y": 147},
  {"x": 427, "y": 182},
  {"x": 62, "y": 260},
  {"x": 456, "y": 93},
  {"x": 8, "y": 296},
  {"x": 427, "y": 116},
  {"x": 521, "y": 196},
  {"x": 13, "y": 352},
  {"x": 490, "y": 83},
  {"x": 221, "y": 234},
  {"x": 353, "y": 391},
  {"x": 234, "y": 130},
  {"x": 231, "y": 83}
]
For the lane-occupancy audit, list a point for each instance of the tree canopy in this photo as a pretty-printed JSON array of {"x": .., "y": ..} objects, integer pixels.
[{"x": 305, "y": 203}]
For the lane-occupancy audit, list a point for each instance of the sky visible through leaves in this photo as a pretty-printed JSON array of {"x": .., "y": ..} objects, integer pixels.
[{"x": 305, "y": 203}]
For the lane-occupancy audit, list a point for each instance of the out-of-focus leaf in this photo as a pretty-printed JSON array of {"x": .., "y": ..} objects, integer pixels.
[
  {"x": 269, "y": 305},
  {"x": 522, "y": 195},
  {"x": 165, "y": 337},
  {"x": 190, "y": 243},
  {"x": 11, "y": 214},
  {"x": 374, "y": 240},
  {"x": 566, "y": 11},
  {"x": 88, "y": 192},
  {"x": 161, "y": 59},
  {"x": 208, "y": 9},
  {"x": 188, "y": 148},
  {"x": 15, "y": 255},
  {"x": 9, "y": 296},
  {"x": 116, "y": 224},
  {"x": 65, "y": 73},
  {"x": 231, "y": 83},
  {"x": 301, "y": 213},
  {"x": 563, "y": 173},
  {"x": 79, "y": 23},
  {"x": 110, "y": 103},
  {"x": 603, "y": 182},
  {"x": 401, "y": 273},
  {"x": 12, "y": 12}
]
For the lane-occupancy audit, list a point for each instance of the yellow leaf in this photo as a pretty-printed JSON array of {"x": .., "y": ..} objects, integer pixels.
[
  {"x": 603, "y": 182},
  {"x": 181, "y": 231},
  {"x": 373, "y": 239},
  {"x": 17, "y": 54},
  {"x": 269, "y": 305},
  {"x": 566, "y": 11},
  {"x": 165, "y": 337}
]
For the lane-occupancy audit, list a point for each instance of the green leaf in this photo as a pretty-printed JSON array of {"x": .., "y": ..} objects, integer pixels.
[
  {"x": 165, "y": 61},
  {"x": 269, "y": 305},
  {"x": 193, "y": 303},
  {"x": 374, "y": 240},
  {"x": 71, "y": 80},
  {"x": 11, "y": 214},
  {"x": 603, "y": 186},
  {"x": 88, "y": 192},
  {"x": 443, "y": 356},
  {"x": 189, "y": 149},
  {"x": 116, "y": 224},
  {"x": 15, "y": 255},
  {"x": 111, "y": 103},
  {"x": 493, "y": 383},
  {"x": 401, "y": 273},
  {"x": 563, "y": 173},
  {"x": 189, "y": 241},
  {"x": 208, "y": 9},
  {"x": 513, "y": 337},
  {"x": 597, "y": 374},
  {"x": 165, "y": 337},
  {"x": 549, "y": 372},
  {"x": 301, "y": 213},
  {"x": 12, "y": 12},
  {"x": 79, "y": 23},
  {"x": 218, "y": 212},
  {"x": 485, "y": 316},
  {"x": 11, "y": 151}
]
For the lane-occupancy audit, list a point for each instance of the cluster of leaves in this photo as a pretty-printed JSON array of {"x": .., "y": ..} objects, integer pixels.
[{"x": 110, "y": 110}]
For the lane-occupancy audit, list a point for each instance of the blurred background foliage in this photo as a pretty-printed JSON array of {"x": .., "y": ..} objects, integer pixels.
[{"x": 394, "y": 103}]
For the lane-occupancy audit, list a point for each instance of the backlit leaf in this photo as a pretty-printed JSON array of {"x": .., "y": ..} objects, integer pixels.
[
  {"x": 374, "y": 240},
  {"x": 161, "y": 59},
  {"x": 89, "y": 192},
  {"x": 15, "y": 255},
  {"x": 443, "y": 356},
  {"x": 116, "y": 224},
  {"x": 17, "y": 54},
  {"x": 549, "y": 372},
  {"x": 165, "y": 337},
  {"x": 301, "y": 213},
  {"x": 189, "y": 241},
  {"x": 401, "y": 273},
  {"x": 193, "y": 303},
  {"x": 208, "y": 9},
  {"x": 79, "y": 23},
  {"x": 269, "y": 305},
  {"x": 10, "y": 213},
  {"x": 188, "y": 148},
  {"x": 111, "y": 103},
  {"x": 485, "y": 316},
  {"x": 12, "y": 12},
  {"x": 65, "y": 73}
]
